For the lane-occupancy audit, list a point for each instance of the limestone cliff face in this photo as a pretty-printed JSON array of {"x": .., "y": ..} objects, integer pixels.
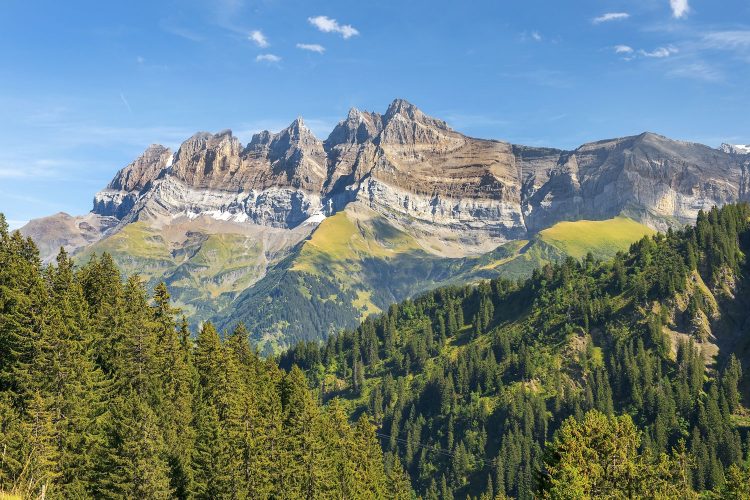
[
  {"x": 420, "y": 173},
  {"x": 121, "y": 194},
  {"x": 651, "y": 178},
  {"x": 276, "y": 180}
]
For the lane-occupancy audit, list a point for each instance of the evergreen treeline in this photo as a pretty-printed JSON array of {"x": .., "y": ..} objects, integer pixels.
[
  {"x": 105, "y": 394},
  {"x": 469, "y": 386}
]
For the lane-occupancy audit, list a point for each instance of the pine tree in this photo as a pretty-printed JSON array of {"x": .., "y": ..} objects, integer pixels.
[
  {"x": 132, "y": 465},
  {"x": 301, "y": 444},
  {"x": 177, "y": 385}
]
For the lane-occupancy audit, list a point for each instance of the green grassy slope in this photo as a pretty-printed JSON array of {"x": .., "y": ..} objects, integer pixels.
[{"x": 602, "y": 238}]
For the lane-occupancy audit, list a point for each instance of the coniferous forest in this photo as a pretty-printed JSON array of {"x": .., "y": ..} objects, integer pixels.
[
  {"x": 618, "y": 379},
  {"x": 104, "y": 393},
  {"x": 590, "y": 379}
]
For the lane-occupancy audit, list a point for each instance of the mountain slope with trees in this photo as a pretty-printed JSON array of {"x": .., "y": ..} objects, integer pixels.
[{"x": 469, "y": 385}]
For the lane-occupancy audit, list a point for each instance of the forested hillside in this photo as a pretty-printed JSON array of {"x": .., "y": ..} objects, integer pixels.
[
  {"x": 471, "y": 386},
  {"x": 590, "y": 379},
  {"x": 104, "y": 393}
]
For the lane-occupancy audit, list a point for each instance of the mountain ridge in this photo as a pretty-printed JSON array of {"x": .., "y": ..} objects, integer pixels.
[
  {"x": 408, "y": 162},
  {"x": 456, "y": 198}
]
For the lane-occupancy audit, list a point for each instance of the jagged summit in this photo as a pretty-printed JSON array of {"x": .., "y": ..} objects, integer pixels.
[
  {"x": 358, "y": 128},
  {"x": 297, "y": 132},
  {"x": 144, "y": 169},
  {"x": 406, "y": 125}
]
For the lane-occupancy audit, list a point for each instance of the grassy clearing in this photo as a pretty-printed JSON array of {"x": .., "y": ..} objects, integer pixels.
[{"x": 602, "y": 238}]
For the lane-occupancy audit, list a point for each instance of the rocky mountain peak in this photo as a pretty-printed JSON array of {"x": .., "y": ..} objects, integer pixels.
[
  {"x": 204, "y": 159},
  {"x": 407, "y": 125},
  {"x": 408, "y": 162},
  {"x": 298, "y": 134},
  {"x": 146, "y": 168},
  {"x": 404, "y": 108},
  {"x": 358, "y": 128}
]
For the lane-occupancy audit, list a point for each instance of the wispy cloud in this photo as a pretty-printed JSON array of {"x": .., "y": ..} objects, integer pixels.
[
  {"x": 328, "y": 25},
  {"x": 39, "y": 169},
  {"x": 312, "y": 47},
  {"x": 269, "y": 58},
  {"x": 680, "y": 8},
  {"x": 610, "y": 16},
  {"x": 727, "y": 40},
  {"x": 534, "y": 36},
  {"x": 659, "y": 53},
  {"x": 543, "y": 78},
  {"x": 125, "y": 102},
  {"x": 31, "y": 200},
  {"x": 169, "y": 26},
  {"x": 259, "y": 39},
  {"x": 623, "y": 49},
  {"x": 697, "y": 70}
]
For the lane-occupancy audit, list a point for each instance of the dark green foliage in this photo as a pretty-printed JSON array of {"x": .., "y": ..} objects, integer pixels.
[
  {"x": 104, "y": 394},
  {"x": 467, "y": 383}
]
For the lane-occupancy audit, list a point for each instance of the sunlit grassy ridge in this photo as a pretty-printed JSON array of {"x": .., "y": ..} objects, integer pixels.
[
  {"x": 602, "y": 238},
  {"x": 340, "y": 243}
]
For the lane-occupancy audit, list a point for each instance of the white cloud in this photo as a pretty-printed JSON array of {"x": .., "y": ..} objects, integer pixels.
[
  {"x": 659, "y": 53},
  {"x": 312, "y": 47},
  {"x": 259, "y": 38},
  {"x": 680, "y": 8},
  {"x": 328, "y": 25},
  {"x": 611, "y": 16},
  {"x": 623, "y": 49},
  {"x": 536, "y": 36},
  {"x": 269, "y": 58}
]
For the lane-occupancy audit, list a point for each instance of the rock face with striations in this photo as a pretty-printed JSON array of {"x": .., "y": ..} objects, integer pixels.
[{"x": 417, "y": 171}]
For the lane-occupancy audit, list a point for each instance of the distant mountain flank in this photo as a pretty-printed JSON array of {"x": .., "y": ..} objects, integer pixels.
[
  {"x": 737, "y": 149},
  {"x": 181, "y": 216}
]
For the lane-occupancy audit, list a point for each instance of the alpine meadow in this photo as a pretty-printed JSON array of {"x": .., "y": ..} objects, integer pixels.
[{"x": 425, "y": 250}]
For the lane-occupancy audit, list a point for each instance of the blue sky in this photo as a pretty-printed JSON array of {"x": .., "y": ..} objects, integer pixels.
[{"x": 85, "y": 86}]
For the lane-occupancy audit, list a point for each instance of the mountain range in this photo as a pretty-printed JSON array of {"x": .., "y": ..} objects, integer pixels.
[{"x": 299, "y": 237}]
